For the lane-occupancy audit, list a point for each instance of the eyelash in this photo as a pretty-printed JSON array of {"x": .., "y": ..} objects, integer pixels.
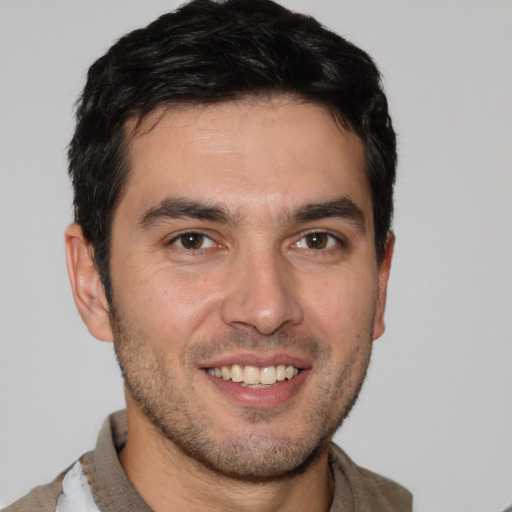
[
  {"x": 335, "y": 241},
  {"x": 331, "y": 241},
  {"x": 202, "y": 236}
]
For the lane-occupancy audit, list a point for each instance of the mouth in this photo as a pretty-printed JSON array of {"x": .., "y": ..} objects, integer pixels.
[{"x": 255, "y": 377}]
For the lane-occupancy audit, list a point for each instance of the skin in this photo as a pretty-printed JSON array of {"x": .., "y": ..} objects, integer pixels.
[{"x": 269, "y": 281}]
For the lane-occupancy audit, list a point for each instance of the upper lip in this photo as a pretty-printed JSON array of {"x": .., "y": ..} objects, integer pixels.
[{"x": 260, "y": 360}]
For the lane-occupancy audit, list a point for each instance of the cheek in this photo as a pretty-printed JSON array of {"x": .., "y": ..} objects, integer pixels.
[
  {"x": 170, "y": 308},
  {"x": 341, "y": 308}
]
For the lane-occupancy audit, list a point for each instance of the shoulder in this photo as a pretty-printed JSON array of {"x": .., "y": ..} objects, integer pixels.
[
  {"x": 369, "y": 491},
  {"x": 41, "y": 499}
]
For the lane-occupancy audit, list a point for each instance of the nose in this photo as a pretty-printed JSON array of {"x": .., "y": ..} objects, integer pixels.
[{"x": 262, "y": 294}]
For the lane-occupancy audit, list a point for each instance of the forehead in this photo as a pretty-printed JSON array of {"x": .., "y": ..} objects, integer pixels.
[{"x": 277, "y": 151}]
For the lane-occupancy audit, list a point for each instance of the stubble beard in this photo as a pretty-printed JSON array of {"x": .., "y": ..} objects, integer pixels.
[{"x": 252, "y": 455}]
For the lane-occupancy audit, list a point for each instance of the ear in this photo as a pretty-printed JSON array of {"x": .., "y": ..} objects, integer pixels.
[
  {"x": 384, "y": 268},
  {"x": 88, "y": 290}
]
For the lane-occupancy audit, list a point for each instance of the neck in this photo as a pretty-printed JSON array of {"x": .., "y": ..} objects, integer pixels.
[{"x": 167, "y": 479}]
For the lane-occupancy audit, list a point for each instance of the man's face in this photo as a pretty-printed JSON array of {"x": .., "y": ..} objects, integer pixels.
[{"x": 246, "y": 291}]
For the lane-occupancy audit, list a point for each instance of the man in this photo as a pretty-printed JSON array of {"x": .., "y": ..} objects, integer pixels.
[{"x": 233, "y": 167}]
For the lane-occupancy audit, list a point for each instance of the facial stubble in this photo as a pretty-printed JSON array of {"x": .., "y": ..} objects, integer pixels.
[{"x": 256, "y": 453}]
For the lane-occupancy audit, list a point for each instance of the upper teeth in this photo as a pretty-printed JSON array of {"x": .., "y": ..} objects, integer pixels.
[{"x": 254, "y": 375}]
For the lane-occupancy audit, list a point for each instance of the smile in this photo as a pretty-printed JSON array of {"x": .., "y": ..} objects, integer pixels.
[{"x": 253, "y": 376}]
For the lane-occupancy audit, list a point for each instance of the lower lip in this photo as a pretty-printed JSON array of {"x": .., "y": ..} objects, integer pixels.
[{"x": 262, "y": 398}]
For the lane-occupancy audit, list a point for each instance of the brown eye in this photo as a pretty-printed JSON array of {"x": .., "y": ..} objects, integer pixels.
[
  {"x": 193, "y": 241},
  {"x": 317, "y": 240}
]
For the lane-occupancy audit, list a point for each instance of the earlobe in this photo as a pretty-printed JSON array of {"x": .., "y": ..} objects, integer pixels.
[
  {"x": 384, "y": 269},
  {"x": 88, "y": 290}
]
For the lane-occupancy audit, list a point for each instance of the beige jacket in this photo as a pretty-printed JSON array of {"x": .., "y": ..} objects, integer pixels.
[{"x": 356, "y": 489}]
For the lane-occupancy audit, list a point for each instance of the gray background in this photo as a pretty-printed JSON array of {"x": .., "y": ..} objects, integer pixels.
[{"x": 436, "y": 411}]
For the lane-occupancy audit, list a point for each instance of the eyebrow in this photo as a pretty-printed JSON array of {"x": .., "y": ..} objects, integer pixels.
[
  {"x": 178, "y": 208},
  {"x": 343, "y": 208}
]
